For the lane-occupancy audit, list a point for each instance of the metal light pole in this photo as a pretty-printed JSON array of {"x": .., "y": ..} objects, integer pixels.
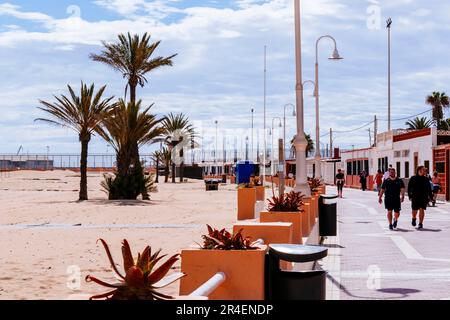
[
  {"x": 272, "y": 133},
  {"x": 265, "y": 116},
  {"x": 284, "y": 122},
  {"x": 253, "y": 113},
  {"x": 216, "y": 149},
  {"x": 389, "y": 24},
  {"x": 334, "y": 56},
  {"x": 300, "y": 140}
]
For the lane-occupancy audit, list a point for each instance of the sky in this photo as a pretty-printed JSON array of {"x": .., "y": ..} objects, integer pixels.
[{"x": 218, "y": 73}]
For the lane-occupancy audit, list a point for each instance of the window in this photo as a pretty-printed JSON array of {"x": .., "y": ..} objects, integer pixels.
[
  {"x": 366, "y": 166},
  {"x": 355, "y": 170},
  {"x": 397, "y": 154},
  {"x": 349, "y": 168},
  {"x": 406, "y": 169},
  {"x": 399, "y": 168},
  {"x": 405, "y": 153},
  {"x": 380, "y": 166},
  {"x": 427, "y": 165}
]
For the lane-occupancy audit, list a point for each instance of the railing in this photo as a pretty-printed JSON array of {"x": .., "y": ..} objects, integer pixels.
[{"x": 216, "y": 281}]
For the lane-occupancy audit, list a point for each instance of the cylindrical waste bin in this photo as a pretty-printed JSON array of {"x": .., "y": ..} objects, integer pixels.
[
  {"x": 328, "y": 215},
  {"x": 293, "y": 285}
]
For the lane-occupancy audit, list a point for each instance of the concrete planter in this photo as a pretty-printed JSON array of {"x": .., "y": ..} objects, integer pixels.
[
  {"x": 244, "y": 272},
  {"x": 295, "y": 218},
  {"x": 246, "y": 203}
]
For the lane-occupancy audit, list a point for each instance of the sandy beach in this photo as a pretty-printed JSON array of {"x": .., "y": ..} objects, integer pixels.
[{"x": 46, "y": 234}]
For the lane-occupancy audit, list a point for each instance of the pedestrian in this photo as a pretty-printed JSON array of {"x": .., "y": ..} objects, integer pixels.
[
  {"x": 393, "y": 189},
  {"x": 436, "y": 187},
  {"x": 340, "y": 182},
  {"x": 378, "y": 180},
  {"x": 387, "y": 173},
  {"x": 420, "y": 193},
  {"x": 363, "y": 180}
]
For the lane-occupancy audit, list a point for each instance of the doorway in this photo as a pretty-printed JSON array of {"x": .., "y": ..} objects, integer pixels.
[{"x": 416, "y": 162}]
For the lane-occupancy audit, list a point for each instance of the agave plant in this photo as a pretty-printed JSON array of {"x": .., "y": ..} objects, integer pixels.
[
  {"x": 223, "y": 240},
  {"x": 315, "y": 184},
  {"x": 141, "y": 281},
  {"x": 290, "y": 202}
]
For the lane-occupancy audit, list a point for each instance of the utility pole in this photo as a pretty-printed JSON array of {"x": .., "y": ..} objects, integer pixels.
[
  {"x": 370, "y": 137},
  {"x": 265, "y": 116},
  {"x": 389, "y": 24},
  {"x": 375, "y": 132}
]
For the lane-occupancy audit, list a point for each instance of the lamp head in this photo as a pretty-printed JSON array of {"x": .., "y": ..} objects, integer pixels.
[
  {"x": 294, "y": 113},
  {"x": 335, "y": 55}
]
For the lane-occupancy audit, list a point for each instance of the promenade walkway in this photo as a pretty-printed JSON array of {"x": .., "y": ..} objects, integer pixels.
[{"x": 368, "y": 261}]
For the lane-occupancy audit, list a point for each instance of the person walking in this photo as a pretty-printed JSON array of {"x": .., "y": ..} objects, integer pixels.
[
  {"x": 363, "y": 180},
  {"x": 378, "y": 180},
  {"x": 393, "y": 189},
  {"x": 420, "y": 193},
  {"x": 340, "y": 182},
  {"x": 436, "y": 187},
  {"x": 387, "y": 173}
]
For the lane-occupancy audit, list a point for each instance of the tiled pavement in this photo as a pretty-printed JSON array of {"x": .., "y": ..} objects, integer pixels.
[{"x": 368, "y": 261}]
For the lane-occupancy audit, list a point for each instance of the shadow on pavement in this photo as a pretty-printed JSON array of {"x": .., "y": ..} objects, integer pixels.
[
  {"x": 403, "y": 292},
  {"x": 430, "y": 230}
]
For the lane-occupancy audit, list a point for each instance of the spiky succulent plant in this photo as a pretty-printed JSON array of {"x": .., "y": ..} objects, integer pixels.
[{"x": 141, "y": 281}]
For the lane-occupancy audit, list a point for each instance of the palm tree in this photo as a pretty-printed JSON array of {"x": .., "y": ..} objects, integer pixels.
[
  {"x": 309, "y": 148},
  {"x": 82, "y": 114},
  {"x": 164, "y": 157},
  {"x": 132, "y": 56},
  {"x": 178, "y": 130},
  {"x": 419, "y": 123},
  {"x": 126, "y": 127},
  {"x": 439, "y": 101}
]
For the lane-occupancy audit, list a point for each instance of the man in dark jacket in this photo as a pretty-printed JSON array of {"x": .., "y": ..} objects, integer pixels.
[{"x": 420, "y": 193}]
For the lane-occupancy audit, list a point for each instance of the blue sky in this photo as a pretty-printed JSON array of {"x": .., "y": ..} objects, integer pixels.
[{"x": 218, "y": 73}]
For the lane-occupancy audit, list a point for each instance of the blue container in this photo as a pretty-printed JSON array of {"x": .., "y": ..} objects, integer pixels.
[{"x": 244, "y": 170}]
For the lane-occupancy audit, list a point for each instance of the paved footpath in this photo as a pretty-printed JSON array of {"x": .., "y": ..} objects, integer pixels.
[{"x": 368, "y": 261}]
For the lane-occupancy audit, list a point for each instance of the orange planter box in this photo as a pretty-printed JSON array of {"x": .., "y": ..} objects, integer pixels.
[
  {"x": 273, "y": 232},
  {"x": 244, "y": 272},
  {"x": 306, "y": 221},
  {"x": 260, "y": 193},
  {"x": 293, "y": 217},
  {"x": 246, "y": 203}
]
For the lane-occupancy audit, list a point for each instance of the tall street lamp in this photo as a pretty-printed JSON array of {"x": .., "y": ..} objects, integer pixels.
[
  {"x": 335, "y": 56},
  {"x": 216, "y": 148},
  {"x": 272, "y": 133},
  {"x": 253, "y": 113},
  {"x": 300, "y": 140},
  {"x": 388, "y": 26}
]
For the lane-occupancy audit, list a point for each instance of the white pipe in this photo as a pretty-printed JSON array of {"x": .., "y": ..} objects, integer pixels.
[{"x": 209, "y": 286}]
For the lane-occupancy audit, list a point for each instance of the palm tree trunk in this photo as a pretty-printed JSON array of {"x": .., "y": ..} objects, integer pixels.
[
  {"x": 157, "y": 171},
  {"x": 83, "y": 170},
  {"x": 132, "y": 93}
]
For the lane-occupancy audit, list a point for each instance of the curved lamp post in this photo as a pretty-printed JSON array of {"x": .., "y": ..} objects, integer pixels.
[{"x": 335, "y": 56}]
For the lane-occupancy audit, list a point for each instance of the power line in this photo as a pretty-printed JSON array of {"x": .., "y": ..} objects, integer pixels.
[{"x": 407, "y": 118}]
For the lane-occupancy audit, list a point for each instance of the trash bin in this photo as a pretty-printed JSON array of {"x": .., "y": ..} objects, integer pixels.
[
  {"x": 212, "y": 185},
  {"x": 244, "y": 170},
  {"x": 328, "y": 215},
  {"x": 294, "y": 285}
]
